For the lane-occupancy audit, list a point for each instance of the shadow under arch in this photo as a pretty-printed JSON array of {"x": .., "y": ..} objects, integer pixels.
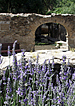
[{"x": 48, "y": 33}]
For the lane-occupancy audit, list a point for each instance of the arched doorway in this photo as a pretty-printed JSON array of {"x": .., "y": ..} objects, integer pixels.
[{"x": 47, "y": 34}]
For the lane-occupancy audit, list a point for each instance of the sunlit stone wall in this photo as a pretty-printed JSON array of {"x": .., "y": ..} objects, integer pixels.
[{"x": 22, "y": 27}]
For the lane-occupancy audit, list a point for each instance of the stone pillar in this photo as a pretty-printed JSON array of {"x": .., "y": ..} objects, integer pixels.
[
  {"x": 59, "y": 31},
  {"x": 53, "y": 30},
  {"x": 49, "y": 29}
]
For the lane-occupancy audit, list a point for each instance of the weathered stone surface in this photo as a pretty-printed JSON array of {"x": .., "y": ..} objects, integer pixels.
[
  {"x": 22, "y": 27},
  {"x": 43, "y": 55}
]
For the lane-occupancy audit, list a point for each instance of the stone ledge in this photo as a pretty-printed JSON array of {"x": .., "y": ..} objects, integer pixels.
[
  {"x": 43, "y": 55},
  {"x": 29, "y": 14}
]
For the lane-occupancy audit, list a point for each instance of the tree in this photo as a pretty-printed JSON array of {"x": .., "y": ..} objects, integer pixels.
[
  {"x": 38, "y": 6},
  {"x": 27, "y": 6},
  {"x": 65, "y": 7},
  {"x": 50, "y": 3},
  {"x": 22, "y": 6},
  {"x": 35, "y": 6}
]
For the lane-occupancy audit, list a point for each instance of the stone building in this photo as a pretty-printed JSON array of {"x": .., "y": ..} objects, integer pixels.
[{"x": 22, "y": 27}]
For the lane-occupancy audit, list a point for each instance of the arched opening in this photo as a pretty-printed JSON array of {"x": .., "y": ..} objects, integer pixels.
[{"x": 46, "y": 35}]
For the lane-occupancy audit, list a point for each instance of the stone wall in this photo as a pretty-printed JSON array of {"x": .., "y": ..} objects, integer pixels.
[{"x": 22, "y": 27}]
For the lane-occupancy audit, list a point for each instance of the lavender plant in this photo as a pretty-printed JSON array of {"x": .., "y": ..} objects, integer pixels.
[
  {"x": 32, "y": 84},
  {"x": 8, "y": 96}
]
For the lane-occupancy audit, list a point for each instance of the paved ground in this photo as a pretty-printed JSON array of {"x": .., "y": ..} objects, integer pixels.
[
  {"x": 43, "y": 55},
  {"x": 45, "y": 47}
]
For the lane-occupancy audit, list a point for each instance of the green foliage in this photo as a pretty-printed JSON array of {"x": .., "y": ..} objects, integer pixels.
[
  {"x": 34, "y": 6},
  {"x": 38, "y": 6},
  {"x": 65, "y": 7},
  {"x": 49, "y": 12},
  {"x": 25, "y": 6}
]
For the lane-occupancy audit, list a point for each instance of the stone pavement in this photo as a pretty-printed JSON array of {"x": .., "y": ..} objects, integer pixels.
[{"x": 43, "y": 55}]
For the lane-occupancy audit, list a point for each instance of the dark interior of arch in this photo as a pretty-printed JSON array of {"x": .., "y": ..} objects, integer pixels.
[{"x": 49, "y": 33}]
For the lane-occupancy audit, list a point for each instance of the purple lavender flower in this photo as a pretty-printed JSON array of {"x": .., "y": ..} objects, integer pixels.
[
  {"x": 8, "y": 93},
  {"x": 9, "y": 51},
  {"x": 30, "y": 66},
  {"x": 34, "y": 85},
  {"x": 21, "y": 89},
  {"x": 35, "y": 98},
  {"x": 37, "y": 58},
  {"x": 4, "y": 78},
  {"x": 23, "y": 59},
  {"x": 14, "y": 47},
  {"x": 64, "y": 58},
  {"x": 14, "y": 66},
  {"x": 25, "y": 101},
  {"x": 0, "y": 86},
  {"x": 73, "y": 76},
  {"x": 30, "y": 97}
]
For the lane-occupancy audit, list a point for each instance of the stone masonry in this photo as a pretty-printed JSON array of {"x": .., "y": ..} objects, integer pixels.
[{"x": 22, "y": 27}]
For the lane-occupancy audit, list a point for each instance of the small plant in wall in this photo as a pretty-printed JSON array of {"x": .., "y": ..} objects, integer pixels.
[{"x": 17, "y": 16}]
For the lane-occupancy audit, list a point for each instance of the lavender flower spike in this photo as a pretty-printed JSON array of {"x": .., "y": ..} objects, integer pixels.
[
  {"x": 9, "y": 56},
  {"x": 37, "y": 58},
  {"x": 9, "y": 51},
  {"x": 14, "y": 66},
  {"x": 14, "y": 47},
  {"x": 14, "y": 44},
  {"x": 23, "y": 57}
]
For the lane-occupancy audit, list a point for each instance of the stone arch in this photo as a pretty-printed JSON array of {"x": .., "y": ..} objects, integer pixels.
[
  {"x": 51, "y": 33},
  {"x": 50, "y": 20},
  {"x": 22, "y": 27},
  {"x": 65, "y": 20}
]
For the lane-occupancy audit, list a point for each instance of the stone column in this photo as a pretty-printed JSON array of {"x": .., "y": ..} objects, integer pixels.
[
  {"x": 49, "y": 29},
  {"x": 59, "y": 32}
]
